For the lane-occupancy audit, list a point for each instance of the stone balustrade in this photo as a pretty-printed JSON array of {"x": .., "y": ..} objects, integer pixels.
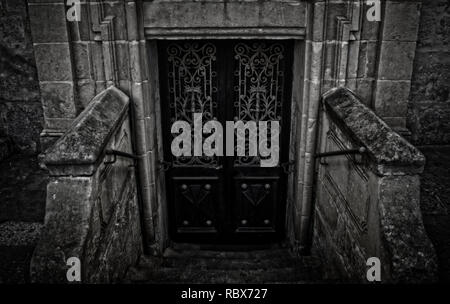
[
  {"x": 368, "y": 205},
  {"x": 92, "y": 210}
]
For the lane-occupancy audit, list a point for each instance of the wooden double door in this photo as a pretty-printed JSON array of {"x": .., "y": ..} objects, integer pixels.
[{"x": 225, "y": 199}]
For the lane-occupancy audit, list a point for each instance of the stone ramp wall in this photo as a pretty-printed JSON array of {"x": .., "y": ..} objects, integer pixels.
[
  {"x": 92, "y": 210},
  {"x": 368, "y": 205}
]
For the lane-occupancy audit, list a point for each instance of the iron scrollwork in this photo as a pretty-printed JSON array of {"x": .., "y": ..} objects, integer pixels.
[
  {"x": 259, "y": 80},
  {"x": 192, "y": 89}
]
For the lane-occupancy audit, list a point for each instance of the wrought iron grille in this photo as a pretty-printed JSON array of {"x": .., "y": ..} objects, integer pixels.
[
  {"x": 259, "y": 83},
  {"x": 192, "y": 88}
]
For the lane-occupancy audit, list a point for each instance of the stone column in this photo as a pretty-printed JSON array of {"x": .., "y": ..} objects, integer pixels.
[
  {"x": 52, "y": 50},
  {"x": 400, "y": 24}
]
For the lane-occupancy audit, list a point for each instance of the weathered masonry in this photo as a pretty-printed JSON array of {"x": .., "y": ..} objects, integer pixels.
[{"x": 112, "y": 83}]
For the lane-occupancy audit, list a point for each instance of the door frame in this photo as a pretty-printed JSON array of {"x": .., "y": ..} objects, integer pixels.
[
  {"x": 160, "y": 214},
  {"x": 227, "y": 231}
]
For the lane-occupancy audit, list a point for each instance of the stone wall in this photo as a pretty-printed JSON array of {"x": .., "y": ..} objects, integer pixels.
[
  {"x": 20, "y": 107},
  {"x": 368, "y": 205},
  {"x": 76, "y": 60},
  {"x": 92, "y": 210},
  {"x": 429, "y": 101}
]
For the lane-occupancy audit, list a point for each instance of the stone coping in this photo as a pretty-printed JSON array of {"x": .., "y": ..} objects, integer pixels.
[
  {"x": 84, "y": 143},
  {"x": 391, "y": 153}
]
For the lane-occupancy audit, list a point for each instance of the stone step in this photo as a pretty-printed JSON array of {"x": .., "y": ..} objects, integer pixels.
[
  {"x": 280, "y": 261},
  {"x": 194, "y": 275},
  {"x": 187, "y": 264},
  {"x": 174, "y": 252}
]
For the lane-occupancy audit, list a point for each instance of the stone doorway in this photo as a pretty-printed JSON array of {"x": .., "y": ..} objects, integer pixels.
[
  {"x": 226, "y": 198},
  {"x": 103, "y": 74}
]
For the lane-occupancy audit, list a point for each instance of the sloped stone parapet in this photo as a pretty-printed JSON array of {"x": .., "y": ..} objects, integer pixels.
[
  {"x": 80, "y": 149},
  {"x": 389, "y": 151},
  {"x": 92, "y": 210},
  {"x": 369, "y": 205}
]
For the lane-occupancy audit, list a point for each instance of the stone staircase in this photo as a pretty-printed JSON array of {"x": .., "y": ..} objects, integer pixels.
[
  {"x": 193, "y": 264},
  {"x": 22, "y": 209}
]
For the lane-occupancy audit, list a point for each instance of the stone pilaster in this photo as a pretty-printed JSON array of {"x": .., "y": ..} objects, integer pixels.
[
  {"x": 399, "y": 27},
  {"x": 53, "y": 55}
]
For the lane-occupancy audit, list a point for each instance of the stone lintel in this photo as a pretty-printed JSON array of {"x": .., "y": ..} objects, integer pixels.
[
  {"x": 391, "y": 153},
  {"x": 81, "y": 148}
]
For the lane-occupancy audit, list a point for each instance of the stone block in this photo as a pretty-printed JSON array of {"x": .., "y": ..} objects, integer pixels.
[
  {"x": 396, "y": 60},
  {"x": 353, "y": 59},
  {"x": 122, "y": 61},
  {"x": 66, "y": 227},
  {"x": 401, "y": 21},
  {"x": 334, "y": 10},
  {"x": 317, "y": 33},
  {"x": 117, "y": 9},
  {"x": 404, "y": 235},
  {"x": 392, "y": 98},
  {"x": 78, "y": 150},
  {"x": 58, "y": 100},
  {"x": 329, "y": 62},
  {"x": 85, "y": 92},
  {"x": 82, "y": 62},
  {"x": 191, "y": 14},
  {"x": 48, "y": 22},
  {"x": 367, "y": 59},
  {"x": 131, "y": 17},
  {"x": 387, "y": 149},
  {"x": 96, "y": 53},
  {"x": 136, "y": 63},
  {"x": 364, "y": 89},
  {"x": 53, "y": 62}
]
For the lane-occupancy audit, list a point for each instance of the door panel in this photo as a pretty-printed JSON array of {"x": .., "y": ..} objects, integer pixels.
[
  {"x": 196, "y": 204},
  {"x": 225, "y": 199}
]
